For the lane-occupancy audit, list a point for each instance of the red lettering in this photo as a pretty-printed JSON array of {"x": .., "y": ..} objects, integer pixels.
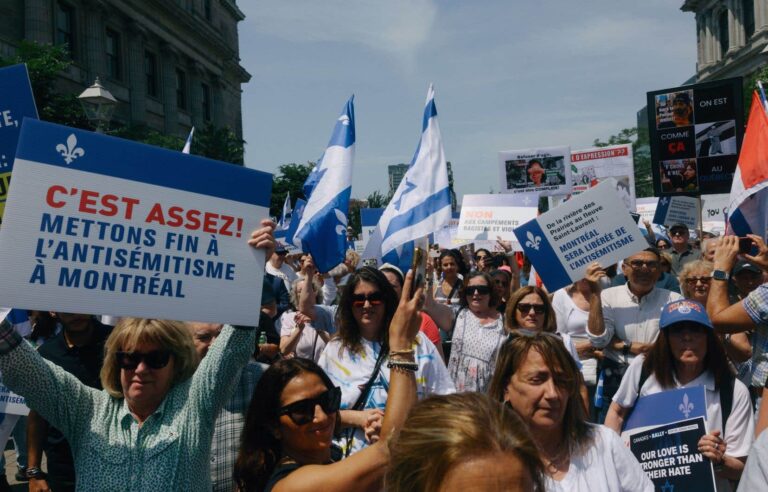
[
  {"x": 176, "y": 218},
  {"x": 193, "y": 220},
  {"x": 88, "y": 199},
  {"x": 675, "y": 147},
  {"x": 130, "y": 202},
  {"x": 209, "y": 222},
  {"x": 156, "y": 214},
  {"x": 49, "y": 199},
  {"x": 110, "y": 208},
  {"x": 228, "y": 220}
]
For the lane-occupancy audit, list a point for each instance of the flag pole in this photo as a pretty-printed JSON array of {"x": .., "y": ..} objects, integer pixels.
[
  {"x": 701, "y": 221},
  {"x": 763, "y": 98}
]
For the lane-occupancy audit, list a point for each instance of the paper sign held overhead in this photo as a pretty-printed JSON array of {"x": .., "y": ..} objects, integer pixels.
[
  {"x": 97, "y": 224},
  {"x": 485, "y": 217},
  {"x": 544, "y": 171},
  {"x": 673, "y": 210}
]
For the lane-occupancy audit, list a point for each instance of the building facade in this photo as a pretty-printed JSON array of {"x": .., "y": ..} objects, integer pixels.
[
  {"x": 396, "y": 173},
  {"x": 171, "y": 64},
  {"x": 731, "y": 36}
]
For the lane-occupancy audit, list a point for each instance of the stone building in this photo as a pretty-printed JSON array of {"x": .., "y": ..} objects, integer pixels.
[
  {"x": 171, "y": 64},
  {"x": 731, "y": 36}
]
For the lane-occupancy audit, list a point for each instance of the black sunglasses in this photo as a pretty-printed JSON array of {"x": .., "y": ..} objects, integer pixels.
[
  {"x": 303, "y": 411},
  {"x": 375, "y": 298},
  {"x": 525, "y": 308},
  {"x": 482, "y": 290},
  {"x": 156, "y": 359}
]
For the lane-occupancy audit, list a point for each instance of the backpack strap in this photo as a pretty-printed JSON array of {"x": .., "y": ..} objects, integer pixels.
[
  {"x": 644, "y": 373},
  {"x": 726, "y": 398}
]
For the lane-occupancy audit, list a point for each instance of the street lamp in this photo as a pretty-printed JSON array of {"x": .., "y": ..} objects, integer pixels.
[{"x": 98, "y": 104}]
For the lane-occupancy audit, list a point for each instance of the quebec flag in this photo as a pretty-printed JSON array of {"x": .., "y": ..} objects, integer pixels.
[
  {"x": 322, "y": 230},
  {"x": 421, "y": 204}
]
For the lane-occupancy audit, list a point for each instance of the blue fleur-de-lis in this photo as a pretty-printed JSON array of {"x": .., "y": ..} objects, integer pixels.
[
  {"x": 533, "y": 241},
  {"x": 341, "y": 229},
  {"x": 71, "y": 151},
  {"x": 686, "y": 407}
]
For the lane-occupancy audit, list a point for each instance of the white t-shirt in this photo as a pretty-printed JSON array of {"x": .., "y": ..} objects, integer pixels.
[
  {"x": 740, "y": 428},
  {"x": 607, "y": 466},
  {"x": 285, "y": 272},
  {"x": 572, "y": 320},
  {"x": 310, "y": 344},
  {"x": 350, "y": 371}
]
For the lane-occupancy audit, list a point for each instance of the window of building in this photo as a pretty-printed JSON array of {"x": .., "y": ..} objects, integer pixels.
[
  {"x": 722, "y": 24},
  {"x": 207, "y": 9},
  {"x": 114, "y": 58},
  {"x": 748, "y": 17},
  {"x": 150, "y": 72},
  {"x": 65, "y": 26},
  {"x": 181, "y": 89},
  {"x": 206, "y": 89}
]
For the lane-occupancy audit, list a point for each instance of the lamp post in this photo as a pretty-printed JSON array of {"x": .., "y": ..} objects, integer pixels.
[{"x": 98, "y": 104}]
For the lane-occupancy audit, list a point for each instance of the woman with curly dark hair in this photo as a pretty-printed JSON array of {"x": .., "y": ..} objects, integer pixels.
[{"x": 447, "y": 290}]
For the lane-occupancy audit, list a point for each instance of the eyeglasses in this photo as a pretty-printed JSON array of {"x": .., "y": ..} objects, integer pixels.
[
  {"x": 482, "y": 290},
  {"x": 525, "y": 308},
  {"x": 375, "y": 298},
  {"x": 638, "y": 264},
  {"x": 281, "y": 253},
  {"x": 303, "y": 411},
  {"x": 480, "y": 257},
  {"x": 678, "y": 232},
  {"x": 695, "y": 280},
  {"x": 156, "y": 359}
]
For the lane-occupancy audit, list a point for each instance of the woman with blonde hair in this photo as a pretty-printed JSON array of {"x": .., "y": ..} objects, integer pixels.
[{"x": 465, "y": 441}]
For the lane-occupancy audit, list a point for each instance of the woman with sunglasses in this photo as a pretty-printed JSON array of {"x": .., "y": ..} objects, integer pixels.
[
  {"x": 687, "y": 353},
  {"x": 537, "y": 377},
  {"x": 356, "y": 357},
  {"x": 151, "y": 426},
  {"x": 289, "y": 429}
]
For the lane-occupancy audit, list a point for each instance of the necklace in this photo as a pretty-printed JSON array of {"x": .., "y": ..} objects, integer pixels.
[{"x": 554, "y": 463}]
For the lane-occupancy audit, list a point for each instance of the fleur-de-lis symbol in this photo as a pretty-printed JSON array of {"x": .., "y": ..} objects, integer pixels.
[
  {"x": 533, "y": 241},
  {"x": 663, "y": 201},
  {"x": 686, "y": 407},
  {"x": 71, "y": 151},
  {"x": 341, "y": 229}
]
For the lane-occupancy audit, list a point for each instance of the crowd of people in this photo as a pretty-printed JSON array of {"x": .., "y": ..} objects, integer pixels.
[{"x": 367, "y": 378}]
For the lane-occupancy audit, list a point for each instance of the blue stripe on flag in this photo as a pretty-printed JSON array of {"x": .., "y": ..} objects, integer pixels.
[
  {"x": 739, "y": 223},
  {"x": 428, "y": 207}
]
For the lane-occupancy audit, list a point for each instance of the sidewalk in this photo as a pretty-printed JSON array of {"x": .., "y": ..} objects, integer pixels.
[{"x": 10, "y": 471}]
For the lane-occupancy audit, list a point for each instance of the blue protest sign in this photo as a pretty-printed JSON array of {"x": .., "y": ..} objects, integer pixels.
[
  {"x": 592, "y": 226},
  {"x": 101, "y": 225},
  {"x": 666, "y": 407},
  {"x": 16, "y": 103},
  {"x": 673, "y": 210}
]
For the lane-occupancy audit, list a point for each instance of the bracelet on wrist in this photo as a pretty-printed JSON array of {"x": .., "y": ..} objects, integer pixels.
[
  {"x": 35, "y": 472},
  {"x": 406, "y": 366}
]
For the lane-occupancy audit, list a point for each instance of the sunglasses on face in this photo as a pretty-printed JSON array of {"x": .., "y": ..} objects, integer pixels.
[
  {"x": 482, "y": 290},
  {"x": 638, "y": 264},
  {"x": 525, "y": 308},
  {"x": 156, "y": 359},
  {"x": 480, "y": 257},
  {"x": 303, "y": 411},
  {"x": 678, "y": 232},
  {"x": 695, "y": 280},
  {"x": 376, "y": 298}
]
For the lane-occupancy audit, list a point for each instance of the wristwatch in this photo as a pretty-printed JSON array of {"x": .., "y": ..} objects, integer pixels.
[
  {"x": 626, "y": 348},
  {"x": 36, "y": 473},
  {"x": 720, "y": 275}
]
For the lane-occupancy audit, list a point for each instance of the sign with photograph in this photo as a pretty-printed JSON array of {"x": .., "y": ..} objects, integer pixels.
[
  {"x": 97, "y": 224},
  {"x": 487, "y": 217},
  {"x": 593, "y": 226},
  {"x": 544, "y": 171},
  {"x": 695, "y": 134}
]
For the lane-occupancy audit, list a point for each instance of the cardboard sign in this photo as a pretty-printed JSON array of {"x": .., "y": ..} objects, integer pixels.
[
  {"x": 695, "y": 133},
  {"x": 677, "y": 210},
  {"x": 665, "y": 407},
  {"x": 669, "y": 456},
  {"x": 545, "y": 171},
  {"x": 484, "y": 217},
  {"x": 11, "y": 403},
  {"x": 96, "y": 224},
  {"x": 593, "y": 226},
  {"x": 16, "y": 103}
]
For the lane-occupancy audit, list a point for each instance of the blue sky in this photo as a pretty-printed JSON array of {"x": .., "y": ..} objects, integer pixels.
[{"x": 508, "y": 74}]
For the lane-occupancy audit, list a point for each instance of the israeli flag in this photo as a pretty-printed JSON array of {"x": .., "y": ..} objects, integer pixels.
[
  {"x": 188, "y": 144},
  {"x": 422, "y": 203},
  {"x": 285, "y": 218},
  {"x": 322, "y": 230}
]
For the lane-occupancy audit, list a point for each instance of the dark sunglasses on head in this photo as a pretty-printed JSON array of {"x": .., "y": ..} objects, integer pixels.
[
  {"x": 376, "y": 298},
  {"x": 156, "y": 359},
  {"x": 303, "y": 411},
  {"x": 525, "y": 308},
  {"x": 482, "y": 290}
]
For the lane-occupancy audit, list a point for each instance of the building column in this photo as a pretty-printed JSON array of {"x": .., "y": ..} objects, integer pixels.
[
  {"x": 700, "y": 37},
  {"x": 38, "y": 21},
  {"x": 714, "y": 44},
  {"x": 196, "y": 74},
  {"x": 169, "y": 59},
  {"x": 217, "y": 99},
  {"x": 94, "y": 46},
  {"x": 761, "y": 20},
  {"x": 734, "y": 26},
  {"x": 136, "y": 73}
]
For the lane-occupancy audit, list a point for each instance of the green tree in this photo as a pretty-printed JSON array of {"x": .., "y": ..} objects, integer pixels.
[
  {"x": 45, "y": 63},
  {"x": 377, "y": 200},
  {"x": 641, "y": 153},
  {"x": 289, "y": 178},
  {"x": 750, "y": 85},
  {"x": 218, "y": 143},
  {"x": 144, "y": 134}
]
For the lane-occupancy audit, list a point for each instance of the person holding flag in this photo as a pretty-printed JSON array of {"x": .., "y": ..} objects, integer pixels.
[{"x": 322, "y": 230}]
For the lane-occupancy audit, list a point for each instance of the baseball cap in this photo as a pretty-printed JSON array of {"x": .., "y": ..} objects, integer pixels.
[
  {"x": 684, "y": 310},
  {"x": 678, "y": 225},
  {"x": 745, "y": 265}
]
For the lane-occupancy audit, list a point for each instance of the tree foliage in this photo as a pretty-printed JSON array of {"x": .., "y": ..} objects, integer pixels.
[
  {"x": 289, "y": 178},
  {"x": 641, "y": 153},
  {"x": 218, "y": 143},
  {"x": 377, "y": 200}
]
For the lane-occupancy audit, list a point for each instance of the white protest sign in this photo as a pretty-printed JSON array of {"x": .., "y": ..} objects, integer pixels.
[
  {"x": 11, "y": 403},
  {"x": 544, "y": 171},
  {"x": 97, "y": 224},
  {"x": 593, "y": 226},
  {"x": 714, "y": 212},
  {"x": 673, "y": 210},
  {"x": 486, "y": 216}
]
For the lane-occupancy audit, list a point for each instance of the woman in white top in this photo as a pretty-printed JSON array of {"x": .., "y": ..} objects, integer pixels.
[
  {"x": 300, "y": 335},
  {"x": 539, "y": 379},
  {"x": 687, "y": 353},
  {"x": 452, "y": 269}
]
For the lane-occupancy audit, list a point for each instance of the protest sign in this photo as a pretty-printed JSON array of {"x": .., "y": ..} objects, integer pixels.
[
  {"x": 695, "y": 133},
  {"x": 11, "y": 403},
  {"x": 664, "y": 408},
  {"x": 593, "y": 226},
  {"x": 670, "y": 457},
  {"x": 96, "y": 224},
  {"x": 485, "y": 217},
  {"x": 16, "y": 103},
  {"x": 446, "y": 237},
  {"x": 544, "y": 171},
  {"x": 673, "y": 210}
]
